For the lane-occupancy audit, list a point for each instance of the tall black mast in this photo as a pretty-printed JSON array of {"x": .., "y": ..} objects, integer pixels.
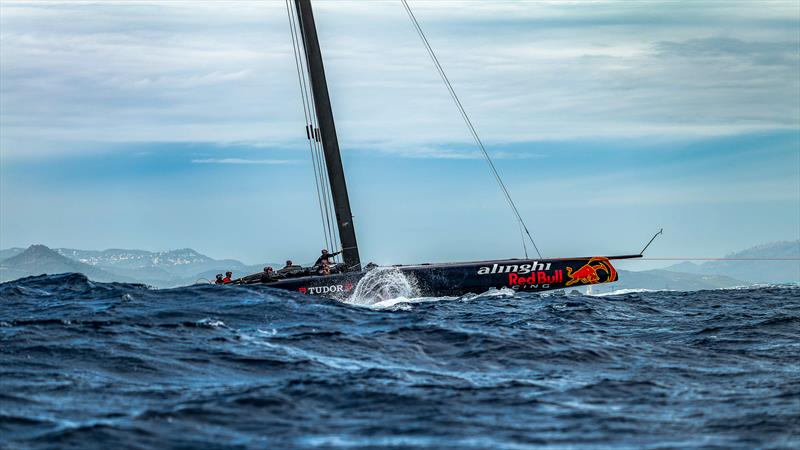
[{"x": 330, "y": 144}]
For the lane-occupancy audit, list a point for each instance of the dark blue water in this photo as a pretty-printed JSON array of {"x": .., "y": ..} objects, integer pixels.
[{"x": 96, "y": 366}]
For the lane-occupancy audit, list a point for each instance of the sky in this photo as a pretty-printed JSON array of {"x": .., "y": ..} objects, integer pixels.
[{"x": 172, "y": 124}]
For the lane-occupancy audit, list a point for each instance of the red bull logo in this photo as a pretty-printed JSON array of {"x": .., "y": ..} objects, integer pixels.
[
  {"x": 589, "y": 272},
  {"x": 536, "y": 278}
]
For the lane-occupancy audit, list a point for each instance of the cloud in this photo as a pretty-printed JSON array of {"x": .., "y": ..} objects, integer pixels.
[
  {"x": 460, "y": 152},
  {"x": 180, "y": 72},
  {"x": 766, "y": 53},
  {"x": 244, "y": 161}
]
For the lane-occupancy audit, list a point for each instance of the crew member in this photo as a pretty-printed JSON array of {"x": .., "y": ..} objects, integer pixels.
[
  {"x": 326, "y": 256},
  {"x": 290, "y": 267},
  {"x": 325, "y": 268},
  {"x": 268, "y": 272},
  {"x": 219, "y": 279},
  {"x": 227, "y": 278}
]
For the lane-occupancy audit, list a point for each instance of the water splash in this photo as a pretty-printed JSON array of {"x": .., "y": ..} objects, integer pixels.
[{"x": 382, "y": 283}]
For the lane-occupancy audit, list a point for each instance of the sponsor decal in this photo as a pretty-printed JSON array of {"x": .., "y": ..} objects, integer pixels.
[
  {"x": 588, "y": 273},
  {"x": 536, "y": 278},
  {"x": 332, "y": 289},
  {"x": 521, "y": 269}
]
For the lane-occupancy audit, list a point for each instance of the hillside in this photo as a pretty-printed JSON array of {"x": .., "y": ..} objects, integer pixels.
[
  {"x": 38, "y": 259},
  {"x": 741, "y": 266},
  {"x": 9, "y": 252},
  {"x": 160, "y": 269},
  {"x": 668, "y": 280}
]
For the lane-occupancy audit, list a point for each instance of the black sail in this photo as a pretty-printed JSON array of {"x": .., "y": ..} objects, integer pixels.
[{"x": 330, "y": 143}]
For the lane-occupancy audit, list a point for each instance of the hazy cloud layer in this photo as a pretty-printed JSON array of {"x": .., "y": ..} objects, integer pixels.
[
  {"x": 243, "y": 161},
  {"x": 221, "y": 72}
]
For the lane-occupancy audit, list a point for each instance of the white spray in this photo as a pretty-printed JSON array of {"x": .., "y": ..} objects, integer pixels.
[{"x": 380, "y": 284}]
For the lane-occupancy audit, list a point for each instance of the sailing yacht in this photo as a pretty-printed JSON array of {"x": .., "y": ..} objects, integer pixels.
[{"x": 443, "y": 279}]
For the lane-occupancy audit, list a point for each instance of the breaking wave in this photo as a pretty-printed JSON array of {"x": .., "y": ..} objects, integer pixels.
[{"x": 626, "y": 291}]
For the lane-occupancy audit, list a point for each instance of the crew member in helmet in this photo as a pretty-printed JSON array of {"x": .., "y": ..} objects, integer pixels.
[
  {"x": 227, "y": 278},
  {"x": 219, "y": 279},
  {"x": 325, "y": 257}
]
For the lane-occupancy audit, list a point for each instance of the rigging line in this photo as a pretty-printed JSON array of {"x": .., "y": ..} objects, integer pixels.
[
  {"x": 335, "y": 233},
  {"x": 323, "y": 199},
  {"x": 329, "y": 202},
  {"x": 328, "y": 196},
  {"x": 469, "y": 124},
  {"x": 326, "y": 199},
  {"x": 317, "y": 146},
  {"x": 324, "y": 176},
  {"x": 715, "y": 259},
  {"x": 295, "y": 48},
  {"x": 465, "y": 116}
]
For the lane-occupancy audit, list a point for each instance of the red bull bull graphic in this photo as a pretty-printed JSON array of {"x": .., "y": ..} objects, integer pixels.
[{"x": 589, "y": 273}]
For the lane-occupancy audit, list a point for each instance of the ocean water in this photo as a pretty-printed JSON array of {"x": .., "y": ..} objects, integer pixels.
[{"x": 97, "y": 366}]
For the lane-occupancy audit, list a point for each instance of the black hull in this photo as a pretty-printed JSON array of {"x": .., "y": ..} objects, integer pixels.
[{"x": 456, "y": 279}]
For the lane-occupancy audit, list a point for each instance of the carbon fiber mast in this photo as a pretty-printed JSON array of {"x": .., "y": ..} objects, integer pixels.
[{"x": 327, "y": 129}]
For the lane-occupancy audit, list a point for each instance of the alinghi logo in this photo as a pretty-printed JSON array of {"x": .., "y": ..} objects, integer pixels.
[{"x": 521, "y": 269}]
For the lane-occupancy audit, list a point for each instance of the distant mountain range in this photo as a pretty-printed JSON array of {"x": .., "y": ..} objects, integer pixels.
[
  {"x": 753, "y": 265},
  {"x": 38, "y": 259},
  {"x": 775, "y": 262},
  {"x": 667, "y": 280},
  {"x": 185, "y": 266},
  {"x": 159, "y": 269}
]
